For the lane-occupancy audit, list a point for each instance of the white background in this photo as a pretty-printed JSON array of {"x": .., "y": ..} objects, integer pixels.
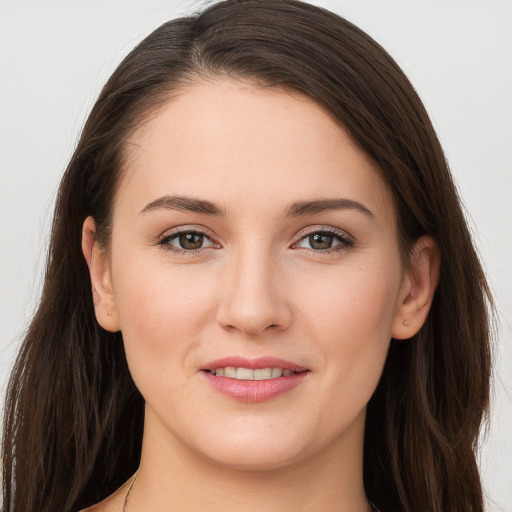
[{"x": 55, "y": 56}]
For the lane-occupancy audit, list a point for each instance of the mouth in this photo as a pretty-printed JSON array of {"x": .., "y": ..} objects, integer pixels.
[
  {"x": 253, "y": 380},
  {"x": 241, "y": 373}
]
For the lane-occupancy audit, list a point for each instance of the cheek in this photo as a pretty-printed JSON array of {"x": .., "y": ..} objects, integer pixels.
[
  {"x": 350, "y": 317},
  {"x": 352, "y": 299},
  {"x": 162, "y": 311}
]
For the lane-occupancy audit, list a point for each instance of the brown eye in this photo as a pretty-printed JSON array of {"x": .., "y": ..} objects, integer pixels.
[
  {"x": 323, "y": 241},
  {"x": 187, "y": 241},
  {"x": 320, "y": 241},
  {"x": 191, "y": 241}
]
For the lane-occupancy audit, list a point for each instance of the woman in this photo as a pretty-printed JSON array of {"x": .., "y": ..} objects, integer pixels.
[{"x": 261, "y": 287}]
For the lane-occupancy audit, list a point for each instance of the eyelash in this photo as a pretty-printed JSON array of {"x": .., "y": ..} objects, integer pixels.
[
  {"x": 165, "y": 241},
  {"x": 345, "y": 242}
]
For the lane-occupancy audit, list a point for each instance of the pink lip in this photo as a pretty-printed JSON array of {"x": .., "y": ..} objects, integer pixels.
[{"x": 254, "y": 390}]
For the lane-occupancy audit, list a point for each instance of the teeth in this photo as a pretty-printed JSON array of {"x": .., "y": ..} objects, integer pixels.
[
  {"x": 265, "y": 373},
  {"x": 244, "y": 374},
  {"x": 248, "y": 374},
  {"x": 230, "y": 371}
]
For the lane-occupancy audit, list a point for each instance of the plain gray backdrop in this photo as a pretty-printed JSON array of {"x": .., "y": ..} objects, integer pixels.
[{"x": 55, "y": 56}]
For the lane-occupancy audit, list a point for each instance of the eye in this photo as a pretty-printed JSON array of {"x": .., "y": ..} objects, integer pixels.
[
  {"x": 324, "y": 241},
  {"x": 186, "y": 241}
]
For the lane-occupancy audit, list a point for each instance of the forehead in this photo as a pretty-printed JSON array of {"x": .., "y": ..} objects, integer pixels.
[{"x": 240, "y": 144}]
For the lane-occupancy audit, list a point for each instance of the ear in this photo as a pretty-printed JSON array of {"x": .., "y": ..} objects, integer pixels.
[
  {"x": 99, "y": 270},
  {"x": 418, "y": 286}
]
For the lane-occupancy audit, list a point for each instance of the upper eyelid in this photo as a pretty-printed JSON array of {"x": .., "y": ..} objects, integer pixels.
[
  {"x": 324, "y": 229},
  {"x": 172, "y": 232}
]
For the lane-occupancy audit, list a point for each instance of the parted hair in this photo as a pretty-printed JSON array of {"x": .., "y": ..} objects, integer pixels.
[{"x": 73, "y": 416}]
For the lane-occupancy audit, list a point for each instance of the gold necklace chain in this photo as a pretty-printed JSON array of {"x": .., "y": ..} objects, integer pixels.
[{"x": 128, "y": 493}]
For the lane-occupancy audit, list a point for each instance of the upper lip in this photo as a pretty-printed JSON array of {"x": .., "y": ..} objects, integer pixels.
[{"x": 253, "y": 364}]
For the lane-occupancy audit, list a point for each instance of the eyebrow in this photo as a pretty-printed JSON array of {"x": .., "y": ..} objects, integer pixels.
[
  {"x": 301, "y": 208},
  {"x": 184, "y": 203},
  {"x": 297, "y": 209}
]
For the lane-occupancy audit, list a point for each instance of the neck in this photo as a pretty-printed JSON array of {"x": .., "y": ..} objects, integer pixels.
[{"x": 172, "y": 477}]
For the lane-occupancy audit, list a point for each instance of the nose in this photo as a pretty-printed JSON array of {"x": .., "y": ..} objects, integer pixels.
[{"x": 254, "y": 299}]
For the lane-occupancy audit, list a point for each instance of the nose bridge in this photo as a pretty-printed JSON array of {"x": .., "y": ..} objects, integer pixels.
[{"x": 253, "y": 300}]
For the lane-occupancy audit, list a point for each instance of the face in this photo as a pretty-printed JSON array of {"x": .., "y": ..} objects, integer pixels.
[{"x": 252, "y": 239}]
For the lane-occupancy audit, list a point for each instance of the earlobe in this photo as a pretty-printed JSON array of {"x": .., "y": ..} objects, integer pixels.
[
  {"x": 418, "y": 287},
  {"x": 99, "y": 271}
]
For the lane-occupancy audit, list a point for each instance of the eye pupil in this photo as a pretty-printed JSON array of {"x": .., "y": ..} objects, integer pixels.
[
  {"x": 191, "y": 240},
  {"x": 320, "y": 241}
]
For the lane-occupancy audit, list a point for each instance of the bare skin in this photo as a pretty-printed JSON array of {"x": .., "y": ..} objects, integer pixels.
[{"x": 257, "y": 283}]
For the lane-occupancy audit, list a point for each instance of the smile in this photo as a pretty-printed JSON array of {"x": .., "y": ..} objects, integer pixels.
[
  {"x": 253, "y": 380},
  {"x": 250, "y": 374}
]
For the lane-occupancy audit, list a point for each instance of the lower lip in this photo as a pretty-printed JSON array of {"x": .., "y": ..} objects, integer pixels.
[{"x": 254, "y": 390}]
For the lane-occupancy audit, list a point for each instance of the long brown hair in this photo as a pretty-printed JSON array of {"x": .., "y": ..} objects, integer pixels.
[{"x": 73, "y": 419}]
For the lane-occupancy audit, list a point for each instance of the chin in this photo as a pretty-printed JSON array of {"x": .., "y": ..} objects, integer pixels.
[
  {"x": 259, "y": 459},
  {"x": 257, "y": 451}
]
